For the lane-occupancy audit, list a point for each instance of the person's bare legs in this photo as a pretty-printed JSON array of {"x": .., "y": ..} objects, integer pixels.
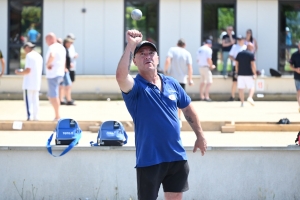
[
  {"x": 55, "y": 103},
  {"x": 68, "y": 93},
  {"x": 201, "y": 90},
  {"x": 173, "y": 196},
  {"x": 251, "y": 93},
  {"x": 233, "y": 89},
  {"x": 241, "y": 93},
  {"x": 62, "y": 93},
  {"x": 207, "y": 90}
]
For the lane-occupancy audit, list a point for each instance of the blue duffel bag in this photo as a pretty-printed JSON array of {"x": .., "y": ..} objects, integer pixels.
[
  {"x": 67, "y": 132},
  {"x": 111, "y": 133}
]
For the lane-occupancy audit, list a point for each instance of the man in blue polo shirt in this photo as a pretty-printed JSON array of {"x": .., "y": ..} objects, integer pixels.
[{"x": 152, "y": 100}]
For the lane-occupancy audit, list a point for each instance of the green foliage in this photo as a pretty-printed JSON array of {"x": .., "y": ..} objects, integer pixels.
[
  {"x": 31, "y": 15},
  {"x": 225, "y": 17}
]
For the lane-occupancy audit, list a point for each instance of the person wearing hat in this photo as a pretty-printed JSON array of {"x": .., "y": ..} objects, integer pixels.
[
  {"x": 2, "y": 61},
  {"x": 179, "y": 65},
  {"x": 73, "y": 56},
  {"x": 204, "y": 60},
  {"x": 235, "y": 49},
  {"x": 152, "y": 100},
  {"x": 295, "y": 66},
  {"x": 32, "y": 80}
]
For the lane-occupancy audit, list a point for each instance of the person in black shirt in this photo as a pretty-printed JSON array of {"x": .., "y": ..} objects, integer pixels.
[
  {"x": 2, "y": 64},
  {"x": 245, "y": 68},
  {"x": 227, "y": 41},
  {"x": 295, "y": 66},
  {"x": 66, "y": 84}
]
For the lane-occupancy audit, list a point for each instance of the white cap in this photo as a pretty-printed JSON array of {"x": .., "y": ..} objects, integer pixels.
[{"x": 287, "y": 29}]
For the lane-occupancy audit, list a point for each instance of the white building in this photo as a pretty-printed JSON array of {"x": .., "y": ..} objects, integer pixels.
[{"x": 99, "y": 27}]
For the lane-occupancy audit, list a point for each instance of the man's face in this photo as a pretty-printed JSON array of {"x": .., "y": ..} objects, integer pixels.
[
  {"x": 27, "y": 49},
  {"x": 68, "y": 44},
  {"x": 146, "y": 58},
  {"x": 241, "y": 42},
  {"x": 229, "y": 30}
]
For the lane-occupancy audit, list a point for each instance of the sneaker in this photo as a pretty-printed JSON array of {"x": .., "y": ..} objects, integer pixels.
[
  {"x": 70, "y": 103},
  {"x": 250, "y": 100},
  {"x": 225, "y": 76},
  {"x": 208, "y": 100},
  {"x": 62, "y": 103},
  {"x": 242, "y": 105},
  {"x": 231, "y": 99}
]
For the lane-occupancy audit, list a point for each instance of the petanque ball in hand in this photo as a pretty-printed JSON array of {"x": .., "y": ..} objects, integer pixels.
[{"x": 136, "y": 14}]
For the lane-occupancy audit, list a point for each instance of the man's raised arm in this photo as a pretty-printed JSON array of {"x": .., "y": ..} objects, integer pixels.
[{"x": 124, "y": 80}]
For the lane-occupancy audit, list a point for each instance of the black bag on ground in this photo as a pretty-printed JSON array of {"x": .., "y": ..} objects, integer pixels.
[
  {"x": 284, "y": 121},
  {"x": 275, "y": 72}
]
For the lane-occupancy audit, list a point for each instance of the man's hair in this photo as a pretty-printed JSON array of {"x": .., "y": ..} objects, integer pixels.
[{"x": 181, "y": 43}]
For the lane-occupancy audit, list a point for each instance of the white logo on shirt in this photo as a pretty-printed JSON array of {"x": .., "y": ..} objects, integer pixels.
[{"x": 172, "y": 97}]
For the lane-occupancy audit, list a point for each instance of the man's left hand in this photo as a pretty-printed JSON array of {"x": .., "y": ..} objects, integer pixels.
[{"x": 200, "y": 144}]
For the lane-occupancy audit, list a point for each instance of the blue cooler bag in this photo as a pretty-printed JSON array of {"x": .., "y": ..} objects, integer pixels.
[
  {"x": 111, "y": 133},
  {"x": 67, "y": 132}
]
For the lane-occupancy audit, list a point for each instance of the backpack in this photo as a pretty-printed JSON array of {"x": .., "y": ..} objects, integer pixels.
[
  {"x": 111, "y": 133},
  {"x": 67, "y": 132},
  {"x": 298, "y": 139}
]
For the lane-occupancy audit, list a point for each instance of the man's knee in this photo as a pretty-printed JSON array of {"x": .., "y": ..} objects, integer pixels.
[{"x": 173, "y": 196}]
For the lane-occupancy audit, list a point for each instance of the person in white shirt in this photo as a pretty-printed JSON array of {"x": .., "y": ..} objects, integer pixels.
[
  {"x": 32, "y": 80},
  {"x": 55, "y": 70},
  {"x": 179, "y": 65},
  {"x": 73, "y": 56},
  {"x": 235, "y": 49},
  {"x": 204, "y": 55}
]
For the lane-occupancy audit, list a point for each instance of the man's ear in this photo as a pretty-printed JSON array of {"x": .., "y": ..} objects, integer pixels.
[{"x": 134, "y": 61}]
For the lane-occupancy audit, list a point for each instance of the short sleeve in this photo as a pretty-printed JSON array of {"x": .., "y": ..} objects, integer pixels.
[
  {"x": 252, "y": 57},
  {"x": 170, "y": 53},
  {"x": 27, "y": 63},
  {"x": 130, "y": 96},
  {"x": 183, "y": 99},
  {"x": 189, "y": 60},
  {"x": 231, "y": 52},
  {"x": 291, "y": 61}
]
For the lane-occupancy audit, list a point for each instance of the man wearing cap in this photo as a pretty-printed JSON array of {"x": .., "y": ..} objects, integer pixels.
[
  {"x": 32, "y": 80},
  {"x": 73, "y": 56},
  {"x": 295, "y": 66},
  {"x": 160, "y": 156},
  {"x": 204, "y": 60},
  {"x": 180, "y": 62},
  {"x": 245, "y": 68},
  {"x": 55, "y": 70},
  {"x": 2, "y": 61},
  {"x": 235, "y": 49}
]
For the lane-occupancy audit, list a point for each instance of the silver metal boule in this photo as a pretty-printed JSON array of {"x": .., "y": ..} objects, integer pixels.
[{"x": 136, "y": 14}]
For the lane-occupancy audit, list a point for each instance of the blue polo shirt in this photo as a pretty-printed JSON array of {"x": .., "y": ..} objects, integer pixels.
[{"x": 155, "y": 117}]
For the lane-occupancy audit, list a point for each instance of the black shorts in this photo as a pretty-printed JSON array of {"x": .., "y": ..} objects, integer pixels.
[
  {"x": 172, "y": 175},
  {"x": 182, "y": 85},
  {"x": 72, "y": 76}
]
